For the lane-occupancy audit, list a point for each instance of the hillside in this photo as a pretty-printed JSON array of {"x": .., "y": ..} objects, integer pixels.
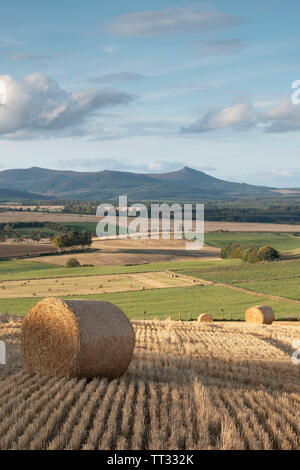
[
  {"x": 11, "y": 195},
  {"x": 183, "y": 185}
]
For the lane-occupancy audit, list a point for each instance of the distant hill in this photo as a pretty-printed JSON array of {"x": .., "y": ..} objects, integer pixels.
[
  {"x": 183, "y": 185},
  {"x": 11, "y": 195}
]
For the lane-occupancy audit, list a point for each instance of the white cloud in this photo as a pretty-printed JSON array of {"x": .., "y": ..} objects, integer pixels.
[
  {"x": 163, "y": 166},
  {"x": 281, "y": 118},
  {"x": 100, "y": 164},
  {"x": 240, "y": 115},
  {"x": 276, "y": 178},
  {"x": 37, "y": 107},
  {"x": 284, "y": 173},
  {"x": 172, "y": 21},
  {"x": 284, "y": 117}
]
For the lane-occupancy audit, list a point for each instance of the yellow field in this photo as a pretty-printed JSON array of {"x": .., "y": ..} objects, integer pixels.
[
  {"x": 210, "y": 226},
  {"x": 189, "y": 386},
  {"x": 122, "y": 252},
  {"x": 91, "y": 284}
]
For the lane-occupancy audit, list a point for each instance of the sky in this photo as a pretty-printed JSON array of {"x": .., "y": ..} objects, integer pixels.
[{"x": 152, "y": 86}]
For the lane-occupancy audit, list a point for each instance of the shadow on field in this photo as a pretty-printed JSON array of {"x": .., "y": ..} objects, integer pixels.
[
  {"x": 170, "y": 251},
  {"x": 230, "y": 373},
  {"x": 280, "y": 345}
]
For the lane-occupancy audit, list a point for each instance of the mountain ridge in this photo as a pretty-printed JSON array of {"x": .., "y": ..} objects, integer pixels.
[{"x": 186, "y": 184}]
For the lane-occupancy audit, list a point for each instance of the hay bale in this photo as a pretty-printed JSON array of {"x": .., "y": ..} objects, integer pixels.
[
  {"x": 205, "y": 318},
  {"x": 262, "y": 314},
  {"x": 76, "y": 338}
]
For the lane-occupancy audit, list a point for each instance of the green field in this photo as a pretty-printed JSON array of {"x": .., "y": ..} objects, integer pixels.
[
  {"x": 282, "y": 241},
  {"x": 17, "y": 270},
  {"x": 246, "y": 272},
  {"x": 161, "y": 303},
  {"x": 15, "y": 267},
  {"x": 55, "y": 229},
  {"x": 80, "y": 226},
  {"x": 281, "y": 278},
  {"x": 288, "y": 288},
  {"x": 27, "y": 232}
]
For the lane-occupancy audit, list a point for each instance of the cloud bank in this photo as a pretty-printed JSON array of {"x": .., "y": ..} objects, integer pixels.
[
  {"x": 172, "y": 21},
  {"x": 37, "y": 107},
  {"x": 283, "y": 117}
]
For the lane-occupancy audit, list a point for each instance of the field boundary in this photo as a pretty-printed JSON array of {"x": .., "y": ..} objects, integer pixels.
[
  {"x": 258, "y": 294},
  {"x": 246, "y": 291}
]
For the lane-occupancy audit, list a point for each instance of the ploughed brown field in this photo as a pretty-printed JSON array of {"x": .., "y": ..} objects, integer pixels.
[
  {"x": 21, "y": 249},
  {"x": 189, "y": 386},
  {"x": 12, "y": 205}
]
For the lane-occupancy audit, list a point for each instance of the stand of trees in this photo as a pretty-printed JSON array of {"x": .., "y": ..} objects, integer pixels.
[
  {"x": 36, "y": 230},
  {"x": 270, "y": 216},
  {"x": 249, "y": 254},
  {"x": 72, "y": 239}
]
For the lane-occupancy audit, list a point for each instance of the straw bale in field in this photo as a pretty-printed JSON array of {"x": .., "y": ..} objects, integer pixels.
[
  {"x": 262, "y": 314},
  {"x": 205, "y": 318},
  {"x": 82, "y": 338}
]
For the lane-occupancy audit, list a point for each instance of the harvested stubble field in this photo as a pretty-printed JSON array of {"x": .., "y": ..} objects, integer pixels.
[
  {"x": 92, "y": 284},
  {"x": 124, "y": 252},
  {"x": 189, "y": 386}
]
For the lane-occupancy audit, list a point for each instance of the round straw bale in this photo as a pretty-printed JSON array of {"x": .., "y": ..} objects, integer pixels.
[
  {"x": 82, "y": 338},
  {"x": 262, "y": 314},
  {"x": 205, "y": 318}
]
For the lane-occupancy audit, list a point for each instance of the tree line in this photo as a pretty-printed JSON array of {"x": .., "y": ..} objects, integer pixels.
[
  {"x": 72, "y": 239},
  {"x": 252, "y": 254}
]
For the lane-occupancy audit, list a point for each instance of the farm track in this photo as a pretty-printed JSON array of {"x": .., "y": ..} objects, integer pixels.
[{"x": 189, "y": 386}]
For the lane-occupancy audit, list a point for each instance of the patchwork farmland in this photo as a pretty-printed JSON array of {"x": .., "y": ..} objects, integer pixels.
[
  {"x": 180, "y": 289},
  {"x": 223, "y": 385}
]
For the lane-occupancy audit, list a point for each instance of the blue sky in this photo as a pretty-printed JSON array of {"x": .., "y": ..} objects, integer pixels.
[{"x": 152, "y": 86}]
